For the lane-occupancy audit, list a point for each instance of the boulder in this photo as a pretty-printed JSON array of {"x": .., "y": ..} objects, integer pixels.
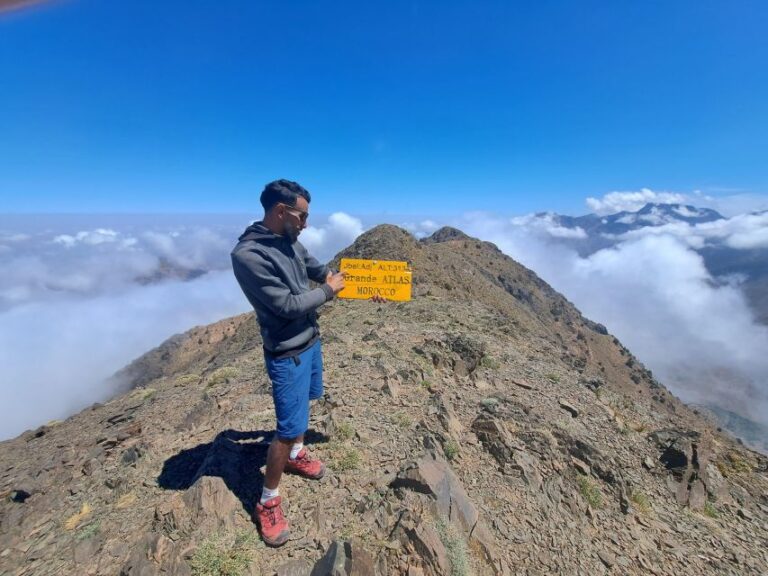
[
  {"x": 211, "y": 505},
  {"x": 427, "y": 543},
  {"x": 494, "y": 436},
  {"x": 436, "y": 479},
  {"x": 447, "y": 418},
  {"x": 345, "y": 559}
]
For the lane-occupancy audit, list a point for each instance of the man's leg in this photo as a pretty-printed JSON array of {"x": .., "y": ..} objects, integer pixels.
[
  {"x": 269, "y": 513},
  {"x": 277, "y": 456},
  {"x": 288, "y": 379},
  {"x": 300, "y": 462}
]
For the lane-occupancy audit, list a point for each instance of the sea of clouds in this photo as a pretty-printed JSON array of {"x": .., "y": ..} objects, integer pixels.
[{"x": 82, "y": 296}]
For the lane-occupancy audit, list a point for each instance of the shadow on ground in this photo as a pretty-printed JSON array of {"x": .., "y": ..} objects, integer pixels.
[{"x": 234, "y": 456}]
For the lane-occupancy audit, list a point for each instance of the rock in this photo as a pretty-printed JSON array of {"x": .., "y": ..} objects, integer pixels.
[
  {"x": 648, "y": 463},
  {"x": 294, "y": 568},
  {"x": 607, "y": 558},
  {"x": 677, "y": 450},
  {"x": 211, "y": 505},
  {"x": 133, "y": 429},
  {"x": 481, "y": 384},
  {"x": 332, "y": 400},
  {"x": 427, "y": 543},
  {"x": 527, "y": 466},
  {"x": 130, "y": 456},
  {"x": 345, "y": 559},
  {"x": 436, "y": 479},
  {"x": 171, "y": 516},
  {"x": 85, "y": 550},
  {"x": 698, "y": 496},
  {"x": 90, "y": 466},
  {"x": 447, "y": 417},
  {"x": 745, "y": 514},
  {"x": 203, "y": 411},
  {"x": 581, "y": 466},
  {"x": 523, "y": 385},
  {"x": 494, "y": 436},
  {"x": 391, "y": 388},
  {"x": 593, "y": 383},
  {"x": 568, "y": 407},
  {"x": 139, "y": 563},
  {"x": 482, "y": 542}
]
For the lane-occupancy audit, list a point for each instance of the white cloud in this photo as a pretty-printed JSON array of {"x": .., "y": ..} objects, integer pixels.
[
  {"x": 614, "y": 202},
  {"x": 92, "y": 237},
  {"x": 104, "y": 260},
  {"x": 422, "y": 228},
  {"x": 13, "y": 237},
  {"x": 56, "y": 353},
  {"x": 324, "y": 241},
  {"x": 65, "y": 240},
  {"x": 77, "y": 305},
  {"x": 743, "y": 232},
  {"x": 731, "y": 204},
  {"x": 687, "y": 212},
  {"x": 429, "y": 225},
  {"x": 547, "y": 225},
  {"x": 748, "y": 232},
  {"x": 190, "y": 249}
]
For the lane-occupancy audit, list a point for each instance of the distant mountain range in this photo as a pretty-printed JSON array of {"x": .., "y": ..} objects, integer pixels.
[{"x": 648, "y": 215}]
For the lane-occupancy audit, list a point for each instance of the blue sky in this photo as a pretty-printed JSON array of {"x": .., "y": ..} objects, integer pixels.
[{"x": 399, "y": 107}]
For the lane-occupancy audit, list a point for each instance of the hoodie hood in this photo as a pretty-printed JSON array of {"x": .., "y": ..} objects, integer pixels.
[{"x": 257, "y": 231}]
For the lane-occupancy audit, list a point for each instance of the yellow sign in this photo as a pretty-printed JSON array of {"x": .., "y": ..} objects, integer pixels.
[{"x": 366, "y": 278}]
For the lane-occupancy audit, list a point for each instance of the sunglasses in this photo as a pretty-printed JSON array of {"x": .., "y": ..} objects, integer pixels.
[{"x": 300, "y": 214}]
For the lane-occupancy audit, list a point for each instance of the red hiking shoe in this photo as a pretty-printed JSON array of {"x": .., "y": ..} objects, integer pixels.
[
  {"x": 305, "y": 465},
  {"x": 272, "y": 524}
]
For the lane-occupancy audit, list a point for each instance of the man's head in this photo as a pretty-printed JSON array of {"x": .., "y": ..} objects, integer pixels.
[{"x": 286, "y": 207}]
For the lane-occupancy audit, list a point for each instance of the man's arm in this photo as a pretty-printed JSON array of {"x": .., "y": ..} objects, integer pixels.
[
  {"x": 257, "y": 276},
  {"x": 315, "y": 271}
]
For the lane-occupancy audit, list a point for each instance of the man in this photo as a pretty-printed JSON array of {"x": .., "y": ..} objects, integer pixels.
[{"x": 273, "y": 270}]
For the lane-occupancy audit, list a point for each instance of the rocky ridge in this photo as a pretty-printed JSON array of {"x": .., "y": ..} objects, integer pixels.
[{"x": 485, "y": 427}]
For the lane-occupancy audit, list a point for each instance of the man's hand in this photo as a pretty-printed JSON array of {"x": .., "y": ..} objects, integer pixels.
[{"x": 335, "y": 281}]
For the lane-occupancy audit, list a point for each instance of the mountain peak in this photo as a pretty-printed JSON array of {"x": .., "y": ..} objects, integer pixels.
[
  {"x": 682, "y": 212},
  {"x": 445, "y": 234},
  {"x": 382, "y": 242}
]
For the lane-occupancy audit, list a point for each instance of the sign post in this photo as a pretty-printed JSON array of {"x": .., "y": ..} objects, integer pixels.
[{"x": 366, "y": 278}]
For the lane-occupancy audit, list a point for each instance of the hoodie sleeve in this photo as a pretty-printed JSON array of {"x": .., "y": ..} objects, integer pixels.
[
  {"x": 315, "y": 270},
  {"x": 258, "y": 278}
]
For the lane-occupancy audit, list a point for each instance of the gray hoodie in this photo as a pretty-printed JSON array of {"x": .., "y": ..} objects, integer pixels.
[{"x": 274, "y": 273}]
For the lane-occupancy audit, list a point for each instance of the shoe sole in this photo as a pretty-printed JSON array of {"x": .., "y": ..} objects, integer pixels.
[
  {"x": 279, "y": 541},
  {"x": 304, "y": 475}
]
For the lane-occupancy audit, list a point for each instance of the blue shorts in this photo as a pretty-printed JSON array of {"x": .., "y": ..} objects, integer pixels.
[{"x": 293, "y": 386}]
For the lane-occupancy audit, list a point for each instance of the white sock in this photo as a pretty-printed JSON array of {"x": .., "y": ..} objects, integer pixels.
[
  {"x": 267, "y": 494},
  {"x": 296, "y": 449}
]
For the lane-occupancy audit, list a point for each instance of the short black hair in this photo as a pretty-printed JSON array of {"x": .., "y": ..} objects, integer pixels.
[{"x": 284, "y": 192}]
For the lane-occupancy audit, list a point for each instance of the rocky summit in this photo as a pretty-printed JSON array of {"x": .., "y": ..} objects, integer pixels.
[{"x": 484, "y": 427}]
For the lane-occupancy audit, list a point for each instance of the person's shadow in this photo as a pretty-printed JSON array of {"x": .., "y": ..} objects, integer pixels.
[{"x": 234, "y": 456}]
